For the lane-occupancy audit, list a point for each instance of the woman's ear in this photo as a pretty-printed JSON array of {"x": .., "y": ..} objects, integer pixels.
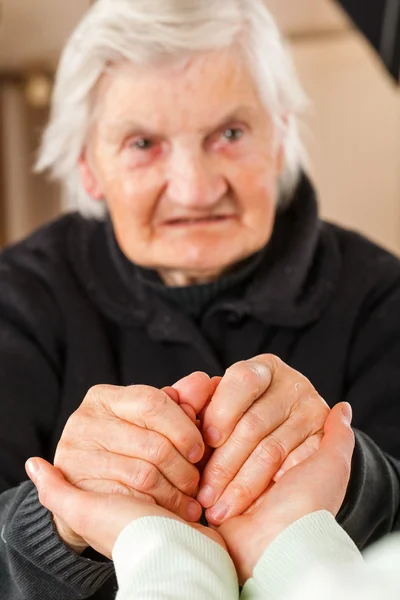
[{"x": 89, "y": 179}]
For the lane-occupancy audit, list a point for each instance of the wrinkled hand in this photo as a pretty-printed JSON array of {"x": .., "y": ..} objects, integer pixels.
[
  {"x": 96, "y": 518},
  {"x": 318, "y": 483},
  {"x": 264, "y": 418},
  {"x": 136, "y": 441}
]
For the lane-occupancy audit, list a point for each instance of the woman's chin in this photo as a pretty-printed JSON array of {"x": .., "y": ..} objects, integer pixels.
[{"x": 205, "y": 264}]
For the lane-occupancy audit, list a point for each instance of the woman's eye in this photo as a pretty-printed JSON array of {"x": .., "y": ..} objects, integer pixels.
[
  {"x": 142, "y": 144},
  {"x": 233, "y": 134}
]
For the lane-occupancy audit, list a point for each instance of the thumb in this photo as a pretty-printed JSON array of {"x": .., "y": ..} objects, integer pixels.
[
  {"x": 194, "y": 390},
  {"x": 187, "y": 408},
  {"x": 338, "y": 435},
  {"x": 328, "y": 470},
  {"x": 55, "y": 493}
]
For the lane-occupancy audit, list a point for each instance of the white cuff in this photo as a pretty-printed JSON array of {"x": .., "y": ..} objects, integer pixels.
[
  {"x": 165, "y": 559},
  {"x": 315, "y": 540}
]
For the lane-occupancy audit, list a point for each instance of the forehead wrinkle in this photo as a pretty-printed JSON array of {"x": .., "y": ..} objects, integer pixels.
[{"x": 167, "y": 107}]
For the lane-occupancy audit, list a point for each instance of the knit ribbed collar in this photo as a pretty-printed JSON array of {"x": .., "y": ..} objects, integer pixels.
[
  {"x": 290, "y": 284},
  {"x": 193, "y": 300}
]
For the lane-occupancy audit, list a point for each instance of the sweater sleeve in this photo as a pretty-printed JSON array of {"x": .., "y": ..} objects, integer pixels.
[
  {"x": 163, "y": 559},
  {"x": 34, "y": 563},
  {"x": 311, "y": 542},
  {"x": 372, "y": 505}
]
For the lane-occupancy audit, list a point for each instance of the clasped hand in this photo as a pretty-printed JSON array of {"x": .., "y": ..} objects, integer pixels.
[{"x": 257, "y": 422}]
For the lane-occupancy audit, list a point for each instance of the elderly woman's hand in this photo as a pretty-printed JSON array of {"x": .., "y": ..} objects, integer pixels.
[
  {"x": 318, "y": 483},
  {"x": 137, "y": 441},
  {"x": 262, "y": 412},
  {"x": 97, "y": 518}
]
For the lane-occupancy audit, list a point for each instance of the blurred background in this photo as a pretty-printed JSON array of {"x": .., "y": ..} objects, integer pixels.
[{"x": 352, "y": 130}]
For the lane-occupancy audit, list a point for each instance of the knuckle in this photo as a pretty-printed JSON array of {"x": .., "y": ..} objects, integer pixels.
[
  {"x": 240, "y": 491},
  {"x": 309, "y": 403},
  {"x": 219, "y": 471},
  {"x": 250, "y": 426},
  {"x": 154, "y": 403},
  {"x": 114, "y": 488},
  {"x": 246, "y": 376},
  {"x": 184, "y": 440},
  {"x": 189, "y": 485},
  {"x": 160, "y": 451},
  {"x": 145, "y": 477},
  {"x": 272, "y": 360},
  {"x": 270, "y": 452},
  {"x": 100, "y": 398},
  {"x": 95, "y": 394},
  {"x": 174, "y": 500}
]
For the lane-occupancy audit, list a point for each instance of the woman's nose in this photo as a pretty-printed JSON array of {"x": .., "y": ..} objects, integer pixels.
[{"x": 194, "y": 183}]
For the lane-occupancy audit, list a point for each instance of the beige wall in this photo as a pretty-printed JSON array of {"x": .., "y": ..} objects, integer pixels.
[
  {"x": 353, "y": 134},
  {"x": 353, "y": 128},
  {"x": 26, "y": 201}
]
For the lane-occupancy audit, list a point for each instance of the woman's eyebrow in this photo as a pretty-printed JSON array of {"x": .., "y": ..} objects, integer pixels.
[
  {"x": 114, "y": 130},
  {"x": 241, "y": 113}
]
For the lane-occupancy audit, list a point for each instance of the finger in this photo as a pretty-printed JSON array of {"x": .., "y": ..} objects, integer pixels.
[
  {"x": 194, "y": 390},
  {"x": 138, "y": 475},
  {"x": 257, "y": 472},
  {"x": 55, "y": 493},
  {"x": 187, "y": 409},
  {"x": 97, "y": 518},
  {"x": 241, "y": 386},
  {"x": 173, "y": 394},
  {"x": 122, "y": 438},
  {"x": 114, "y": 488},
  {"x": 300, "y": 454},
  {"x": 338, "y": 436},
  {"x": 190, "y": 412},
  {"x": 249, "y": 448},
  {"x": 215, "y": 381},
  {"x": 332, "y": 462},
  {"x": 325, "y": 475},
  {"x": 150, "y": 409}
]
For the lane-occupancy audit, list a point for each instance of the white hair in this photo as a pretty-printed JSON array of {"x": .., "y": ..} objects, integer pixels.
[{"x": 144, "y": 31}]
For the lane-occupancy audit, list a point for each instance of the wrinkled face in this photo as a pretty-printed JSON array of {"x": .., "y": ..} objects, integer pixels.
[{"x": 188, "y": 161}]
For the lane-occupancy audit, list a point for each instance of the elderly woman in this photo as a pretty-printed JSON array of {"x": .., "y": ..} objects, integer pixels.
[{"x": 197, "y": 249}]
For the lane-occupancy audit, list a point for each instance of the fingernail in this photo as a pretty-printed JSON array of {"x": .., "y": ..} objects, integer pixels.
[
  {"x": 347, "y": 412},
  {"x": 196, "y": 453},
  {"x": 278, "y": 475},
  {"x": 219, "y": 511},
  {"x": 206, "y": 496},
  {"x": 32, "y": 468},
  {"x": 213, "y": 436},
  {"x": 194, "y": 511}
]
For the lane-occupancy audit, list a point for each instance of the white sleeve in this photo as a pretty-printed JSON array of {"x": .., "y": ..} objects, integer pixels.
[
  {"x": 378, "y": 578},
  {"x": 283, "y": 571},
  {"x": 158, "y": 558}
]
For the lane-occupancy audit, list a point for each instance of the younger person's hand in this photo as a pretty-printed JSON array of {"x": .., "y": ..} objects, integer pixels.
[
  {"x": 318, "y": 483},
  {"x": 97, "y": 518}
]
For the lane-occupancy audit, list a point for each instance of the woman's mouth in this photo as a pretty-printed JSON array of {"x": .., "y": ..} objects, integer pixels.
[{"x": 200, "y": 221}]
